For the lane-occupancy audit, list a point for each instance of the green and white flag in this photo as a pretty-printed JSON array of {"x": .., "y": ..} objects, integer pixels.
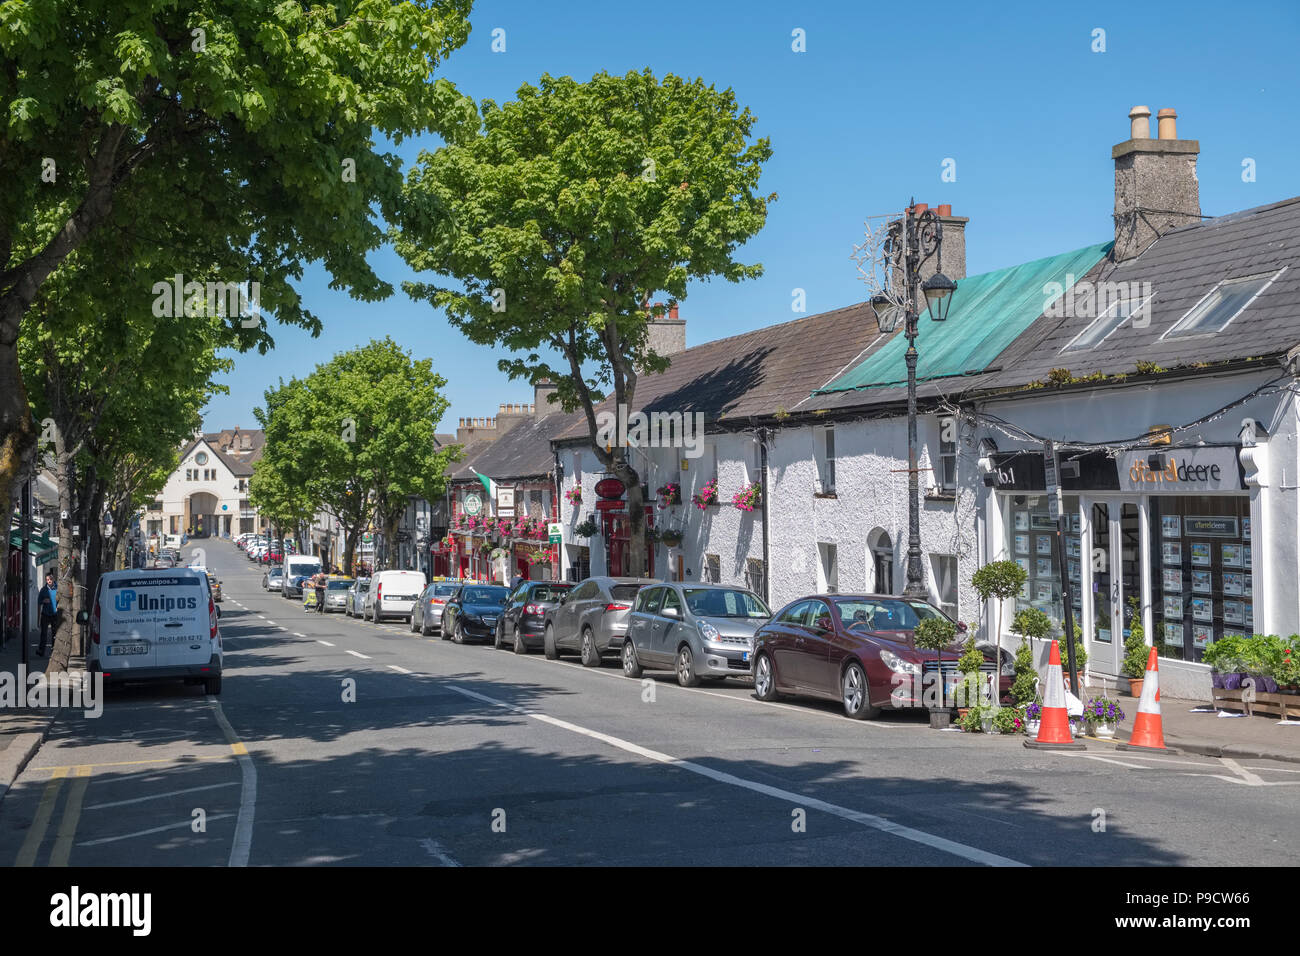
[{"x": 488, "y": 484}]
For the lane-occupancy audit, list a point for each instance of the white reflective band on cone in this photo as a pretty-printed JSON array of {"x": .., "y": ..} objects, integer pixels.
[
  {"x": 1055, "y": 696},
  {"x": 1147, "y": 703}
]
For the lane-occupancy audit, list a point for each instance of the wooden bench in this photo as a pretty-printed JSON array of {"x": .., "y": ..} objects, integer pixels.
[{"x": 1283, "y": 705}]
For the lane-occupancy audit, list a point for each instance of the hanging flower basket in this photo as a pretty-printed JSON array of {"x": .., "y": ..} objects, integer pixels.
[
  {"x": 708, "y": 495},
  {"x": 749, "y": 497},
  {"x": 573, "y": 496},
  {"x": 670, "y": 494},
  {"x": 671, "y": 537},
  {"x": 586, "y": 529}
]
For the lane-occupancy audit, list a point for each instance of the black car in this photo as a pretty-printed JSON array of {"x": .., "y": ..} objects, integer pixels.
[
  {"x": 524, "y": 617},
  {"x": 473, "y": 612}
]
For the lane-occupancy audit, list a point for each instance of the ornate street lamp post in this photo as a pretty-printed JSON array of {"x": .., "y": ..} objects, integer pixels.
[{"x": 919, "y": 239}]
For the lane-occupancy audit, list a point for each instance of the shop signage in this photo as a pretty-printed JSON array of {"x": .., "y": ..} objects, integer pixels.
[
  {"x": 555, "y": 532},
  {"x": 1210, "y": 527},
  {"x": 1180, "y": 470},
  {"x": 610, "y": 488},
  {"x": 472, "y": 504},
  {"x": 608, "y": 504},
  {"x": 506, "y": 502}
]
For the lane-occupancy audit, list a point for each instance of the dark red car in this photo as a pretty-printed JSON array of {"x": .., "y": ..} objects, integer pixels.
[{"x": 854, "y": 648}]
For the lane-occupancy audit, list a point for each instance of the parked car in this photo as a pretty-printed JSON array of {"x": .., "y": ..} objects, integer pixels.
[
  {"x": 472, "y": 612},
  {"x": 215, "y": 586},
  {"x": 392, "y": 594},
  {"x": 699, "y": 630},
  {"x": 524, "y": 619},
  {"x": 292, "y": 587},
  {"x": 336, "y": 593},
  {"x": 147, "y": 626},
  {"x": 857, "y": 649},
  {"x": 356, "y": 597},
  {"x": 273, "y": 578},
  {"x": 426, "y": 615},
  {"x": 592, "y": 618}
]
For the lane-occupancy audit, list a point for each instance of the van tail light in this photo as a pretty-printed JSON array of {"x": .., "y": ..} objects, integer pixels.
[
  {"x": 212, "y": 618},
  {"x": 379, "y": 591},
  {"x": 618, "y": 607},
  {"x": 94, "y": 624}
]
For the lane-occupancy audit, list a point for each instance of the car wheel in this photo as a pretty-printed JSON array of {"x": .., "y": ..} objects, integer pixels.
[
  {"x": 212, "y": 685},
  {"x": 631, "y": 666},
  {"x": 548, "y": 644},
  {"x": 856, "y": 693},
  {"x": 410, "y": 619},
  {"x": 686, "y": 675},
  {"x": 459, "y": 636},
  {"x": 764, "y": 678},
  {"x": 498, "y": 638},
  {"x": 590, "y": 656},
  {"x": 424, "y": 626},
  {"x": 520, "y": 646},
  {"x": 443, "y": 633}
]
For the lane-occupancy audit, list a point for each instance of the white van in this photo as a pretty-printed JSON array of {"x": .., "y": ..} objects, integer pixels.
[
  {"x": 155, "y": 625},
  {"x": 392, "y": 594}
]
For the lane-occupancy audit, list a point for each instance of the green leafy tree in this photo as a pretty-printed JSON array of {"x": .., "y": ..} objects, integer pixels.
[
  {"x": 1002, "y": 580},
  {"x": 934, "y": 634},
  {"x": 574, "y": 204},
  {"x": 249, "y": 124}
]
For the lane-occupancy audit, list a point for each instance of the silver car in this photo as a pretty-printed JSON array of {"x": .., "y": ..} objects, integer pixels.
[
  {"x": 592, "y": 618},
  {"x": 426, "y": 615},
  {"x": 356, "y": 599},
  {"x": 699, "y": 630}
]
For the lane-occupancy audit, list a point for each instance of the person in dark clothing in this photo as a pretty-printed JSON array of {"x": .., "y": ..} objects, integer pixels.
[
  {"x": 47, "y": 600},
  {"x": 320, "y": 581}
]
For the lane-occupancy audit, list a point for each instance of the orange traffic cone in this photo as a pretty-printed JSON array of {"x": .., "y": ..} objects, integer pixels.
[
  {"x": 1148, "y": 732},
  {"x": 1054, "y": 728}
]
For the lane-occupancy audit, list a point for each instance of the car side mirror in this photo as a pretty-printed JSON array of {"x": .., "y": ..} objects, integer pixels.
[
  {"x": 83, "y": 617},
  {"x": 672, "y": 612}
]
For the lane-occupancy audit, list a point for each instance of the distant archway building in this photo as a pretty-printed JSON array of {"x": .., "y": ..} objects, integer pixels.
[{"x": 207, "y": 495}]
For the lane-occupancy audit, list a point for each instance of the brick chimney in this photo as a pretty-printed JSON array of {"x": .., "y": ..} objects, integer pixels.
[
  {"x": 667, "y": 332},
  {"x": 1156, "y": 189}
]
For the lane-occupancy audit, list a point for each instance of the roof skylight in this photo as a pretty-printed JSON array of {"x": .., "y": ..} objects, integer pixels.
[{"x": 1222, "y": 304}]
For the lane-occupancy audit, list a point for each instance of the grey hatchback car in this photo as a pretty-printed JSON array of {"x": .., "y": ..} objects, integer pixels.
[
  {"x": 592, "y": 618},
  {"x": 699, "y": 630},
  {"x": 426, "y": 615}
]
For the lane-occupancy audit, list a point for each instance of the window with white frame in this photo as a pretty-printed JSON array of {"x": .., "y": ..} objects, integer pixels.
[
  {"x": 826, "y": 460},
  {"x": 943, "y": 583},
  {"x": 947, "y": 470},
  {"x": 828, "y": 568}
]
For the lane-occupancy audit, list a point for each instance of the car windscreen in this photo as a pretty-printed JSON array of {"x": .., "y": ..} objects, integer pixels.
[
  {"x": 725, "y": 602},
  {"x": 307, "y": 569},
  {"x": 444, "y": 590},
  {"x": 485, "y": 596},
  {"x": 340, "y": 585},
  {"x": 624, "y": 592},
  {"x": 883, "y": 614},
  {"x": 549, "y": 592}
]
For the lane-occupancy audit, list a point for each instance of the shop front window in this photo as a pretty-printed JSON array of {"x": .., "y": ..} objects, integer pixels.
[
  {"x": 1031, "y": 543},
  {"x": 1201, "y": 571}
]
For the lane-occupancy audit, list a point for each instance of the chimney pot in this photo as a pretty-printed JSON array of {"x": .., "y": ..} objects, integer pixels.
[
  {"x": 920, "y": 208},
  {"x": 1168, "y": 123},
  {"x": 672, "y": 311},
  {"x": 944, "y": 210},
  {"x": 1140, "y": 118}
]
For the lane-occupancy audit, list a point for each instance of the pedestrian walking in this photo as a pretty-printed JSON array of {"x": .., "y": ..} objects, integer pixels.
[
  {"x": 47, "y": 600},
  {"x": 320, "y": 580}
]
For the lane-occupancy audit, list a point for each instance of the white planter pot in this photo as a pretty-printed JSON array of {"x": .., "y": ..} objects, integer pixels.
[
  {"x": 1103, "y": 730},
  {"x": 1031, "y": 727}
]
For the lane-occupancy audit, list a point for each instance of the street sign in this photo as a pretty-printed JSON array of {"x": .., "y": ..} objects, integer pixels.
[
  {"x": 555, "y": 531},
  {"x": 1053, "y": 482}
]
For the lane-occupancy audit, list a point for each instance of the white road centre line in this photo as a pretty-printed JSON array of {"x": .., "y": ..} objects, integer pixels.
[
  {"x": 364, "y": 657},
  {"x": 326, "y": 643},
  {"x": 974, "y": 854},
  {"x": 243, "y": 843},
  {"x": 140, "y": 833},
  {"x": 438, "y": 852},
  {"x": 400, "y": 670},
  {"x": 299, "y": 634},
  {"x": 159, "y": 796}
]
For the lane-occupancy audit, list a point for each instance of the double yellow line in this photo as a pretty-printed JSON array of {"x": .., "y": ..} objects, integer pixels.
[{"x": 67, "y": 823}]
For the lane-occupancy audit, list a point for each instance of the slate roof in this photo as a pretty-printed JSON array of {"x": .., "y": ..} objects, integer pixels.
[
  {"x": 238, "y": 468},
  {"x": 1182, "y": 267},
  {"x": 755, "y": 373}
]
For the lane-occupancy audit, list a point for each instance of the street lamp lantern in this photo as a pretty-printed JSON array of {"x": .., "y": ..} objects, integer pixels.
[{"x": 938, "y": 290}]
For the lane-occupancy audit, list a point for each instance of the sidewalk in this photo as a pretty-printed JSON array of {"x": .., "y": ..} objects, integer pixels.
[
  {"x": 1258, "y": 737},
  {"x": 22, "y": 730}
]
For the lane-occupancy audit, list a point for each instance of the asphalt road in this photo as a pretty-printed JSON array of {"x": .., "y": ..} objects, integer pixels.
[{"x": 342, "y": 742}]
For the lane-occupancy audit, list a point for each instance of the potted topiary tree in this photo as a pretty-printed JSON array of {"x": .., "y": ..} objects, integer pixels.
[
  {"x": 1002, "y": 580},
  {"x": 969, "y": 689},
  {"x": 1136, "y": 652},
  {"x": 1029, "y": 623},
  {"x": 935, "y": 634}
]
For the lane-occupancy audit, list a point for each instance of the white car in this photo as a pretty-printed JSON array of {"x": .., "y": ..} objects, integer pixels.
[
  {"x": 392, "y": 594},
  {"x": 155, "y": 625}
]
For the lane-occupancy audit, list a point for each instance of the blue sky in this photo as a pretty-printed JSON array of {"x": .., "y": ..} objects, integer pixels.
[{"x": 860, "y": 122}]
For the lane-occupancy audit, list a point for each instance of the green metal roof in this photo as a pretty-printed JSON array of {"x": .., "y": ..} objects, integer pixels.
[{"x": 988, "y": 312}]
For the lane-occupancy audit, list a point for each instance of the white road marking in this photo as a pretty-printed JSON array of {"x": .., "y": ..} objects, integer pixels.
[
  {"x": 359, "y": 654},
  {"x": 974, "y": 854},
  {"x": 159, "y": 796},
  {"x": 400, "y": 670},
  {"x": 298, "y": 634},
  {"x": 326, "y": 643},
  {"x": 436, "y": 850},
  {"x": 140, "y": 833},
  {"x": 243, "y": 843}
]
